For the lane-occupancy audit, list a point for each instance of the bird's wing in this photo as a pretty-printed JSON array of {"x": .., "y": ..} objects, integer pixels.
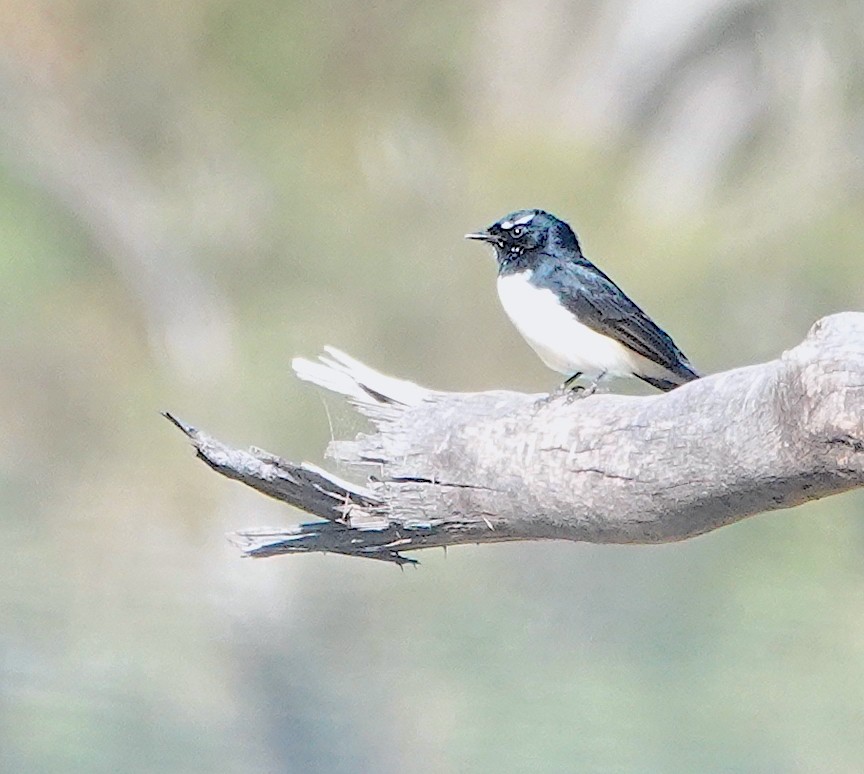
[{"x": 601, "y": 305}]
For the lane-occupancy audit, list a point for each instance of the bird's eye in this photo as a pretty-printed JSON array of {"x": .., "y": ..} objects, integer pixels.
[{"x": 518, "y": 232}]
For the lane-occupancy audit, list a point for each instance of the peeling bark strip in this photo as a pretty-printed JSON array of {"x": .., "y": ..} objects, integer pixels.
[{"x": 445, "y": 469}]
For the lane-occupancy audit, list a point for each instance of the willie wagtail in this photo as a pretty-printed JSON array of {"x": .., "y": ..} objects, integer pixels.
[{"x": 576, "y": 319}]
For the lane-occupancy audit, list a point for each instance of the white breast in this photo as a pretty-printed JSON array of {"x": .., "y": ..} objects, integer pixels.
[{"x": 562, "y": 342}]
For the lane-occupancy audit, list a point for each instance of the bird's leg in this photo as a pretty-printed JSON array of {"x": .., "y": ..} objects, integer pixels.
[
  {"x": 571, "y": 389},
  {"x": 590, "y": 389},
  {"x": 570, "y": 383},
  {"x": 574, "y": 391}
]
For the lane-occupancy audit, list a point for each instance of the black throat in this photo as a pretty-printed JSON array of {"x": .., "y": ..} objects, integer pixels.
[{"x": 514, "y": 262}]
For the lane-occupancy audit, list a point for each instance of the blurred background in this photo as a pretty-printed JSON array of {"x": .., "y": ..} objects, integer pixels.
[{"x": 192, "y": 193}]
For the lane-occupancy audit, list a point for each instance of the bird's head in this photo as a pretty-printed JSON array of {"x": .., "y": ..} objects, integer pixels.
[{"x": 524, "y": 232}]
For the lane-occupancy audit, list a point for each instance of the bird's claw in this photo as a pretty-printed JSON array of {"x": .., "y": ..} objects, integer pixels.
[
  {"x": 579, "y": 392},
  {"x": 571, "y": 392}
]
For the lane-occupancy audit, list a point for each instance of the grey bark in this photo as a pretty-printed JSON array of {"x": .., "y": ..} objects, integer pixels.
[{"x": 444, "y": 469}]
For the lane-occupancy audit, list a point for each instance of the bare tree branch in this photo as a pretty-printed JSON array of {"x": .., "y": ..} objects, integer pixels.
[{"x": 452, "y": 468}]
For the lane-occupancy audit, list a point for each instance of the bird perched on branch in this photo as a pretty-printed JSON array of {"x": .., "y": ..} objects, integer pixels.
[{"x": 576, "y": 319}]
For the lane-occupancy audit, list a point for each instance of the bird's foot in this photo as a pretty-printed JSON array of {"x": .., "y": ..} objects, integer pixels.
[
  {"x": 589, "y": 389},
  {"x": 571, "y": 383},
  {"x": 571, "y": 391},
  {"x": 563, "y": 392},
  {"x": 578, "y": 392}
]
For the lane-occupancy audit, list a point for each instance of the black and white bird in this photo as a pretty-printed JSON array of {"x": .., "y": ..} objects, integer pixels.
[{"x": 576, "y": 319}]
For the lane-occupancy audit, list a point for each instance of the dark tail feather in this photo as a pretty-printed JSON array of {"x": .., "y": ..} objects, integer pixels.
[
  {"x": 685, "y": 375},
  {"x": 660, "y": 384}
]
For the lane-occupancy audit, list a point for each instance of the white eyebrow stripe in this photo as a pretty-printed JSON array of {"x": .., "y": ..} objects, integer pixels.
[
  {"x": 507, "y": 224},
  {"x": 524, "y": 219}
]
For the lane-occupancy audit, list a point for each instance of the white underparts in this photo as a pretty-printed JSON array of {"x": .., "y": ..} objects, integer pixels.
[{"x": 562, "y": 342}]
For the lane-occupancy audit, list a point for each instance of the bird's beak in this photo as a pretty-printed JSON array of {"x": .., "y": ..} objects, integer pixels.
[{"x": 483, "y": 236}]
